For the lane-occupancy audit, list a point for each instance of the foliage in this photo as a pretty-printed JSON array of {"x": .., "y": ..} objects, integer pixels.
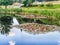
[
  {"x": 42, "y": 5},
  {"x": 27, "y": 2},
  {"x": 49, "y": 5},
  {"x": 6, "y": 2},
  {"x": 5, "y": 21}
]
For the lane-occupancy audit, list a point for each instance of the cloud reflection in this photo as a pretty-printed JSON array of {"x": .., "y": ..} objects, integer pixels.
[
  {"x": 58, "y": 42},
  {"x": 11, "y": 42},
  {"x": 11, "y": 34}
]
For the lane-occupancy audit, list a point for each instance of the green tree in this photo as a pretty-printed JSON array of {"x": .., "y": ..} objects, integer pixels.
[
  {"x": 27, "y": 2},
  {"x": 5, "y": 22},
  {"x": 6, "y": 3}
]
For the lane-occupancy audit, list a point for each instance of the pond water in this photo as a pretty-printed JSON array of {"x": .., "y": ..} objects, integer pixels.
[{"x": 14, "y": 36}]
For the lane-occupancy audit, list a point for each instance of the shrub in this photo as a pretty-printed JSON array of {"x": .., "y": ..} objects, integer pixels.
[
  {"x": 42, "y": 5},
  {"x": 35, "y": 11},
  {"x": 49, "y": 5},
  {"x": 34, "y": 5}
]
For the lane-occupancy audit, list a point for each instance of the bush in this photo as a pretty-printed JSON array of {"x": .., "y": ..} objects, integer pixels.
[
  {"x": 42, "y": 5},
  {"x": 34, "y": 5},
  {"x": 35, "y": 11},
  {"x": 49, "y": 5}
]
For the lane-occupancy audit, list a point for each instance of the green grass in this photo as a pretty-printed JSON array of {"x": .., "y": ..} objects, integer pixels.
[{"x": 52, "y": 13}]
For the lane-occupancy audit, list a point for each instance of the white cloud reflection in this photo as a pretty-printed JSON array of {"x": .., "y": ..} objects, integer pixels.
[
  {"x": 11, "y": 34},
  {"x": 58, "y": 42},
  {"x": 11, "y": 42}
]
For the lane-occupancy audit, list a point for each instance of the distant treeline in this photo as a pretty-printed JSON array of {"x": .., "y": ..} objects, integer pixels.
[{"x": 35, "y": 0}]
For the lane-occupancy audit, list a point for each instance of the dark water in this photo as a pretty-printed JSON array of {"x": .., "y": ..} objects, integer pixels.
[{"x": 15, "y": 37}]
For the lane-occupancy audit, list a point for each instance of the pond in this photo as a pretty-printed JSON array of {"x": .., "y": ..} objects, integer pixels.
[{"x": 14, "y": 36}]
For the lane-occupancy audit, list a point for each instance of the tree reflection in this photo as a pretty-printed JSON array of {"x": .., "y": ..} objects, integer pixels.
[{"x": 5, "y": 23}]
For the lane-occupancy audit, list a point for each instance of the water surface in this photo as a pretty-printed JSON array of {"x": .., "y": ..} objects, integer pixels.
[{"x": 17, "y": 37}]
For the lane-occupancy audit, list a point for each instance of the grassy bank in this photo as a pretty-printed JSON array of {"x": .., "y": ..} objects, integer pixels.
[{"x": 52, "y": 14}]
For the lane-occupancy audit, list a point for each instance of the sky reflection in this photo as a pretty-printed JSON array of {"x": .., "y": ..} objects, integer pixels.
[
  {"x": 12, "y": 42},
  {"x": 11, "y": 34},
  {"x": 26, "y": 38},
  {"x": 16, "y": 37}
]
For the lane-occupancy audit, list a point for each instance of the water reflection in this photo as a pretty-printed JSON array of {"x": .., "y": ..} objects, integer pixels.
[
  {"x": 15, "y": 22},
  {"x": 5, "y": 23},
  {"x": 11, "y": 34},
  {"x": 12, "y": 42},
  {"x": 23, "y": 38}
]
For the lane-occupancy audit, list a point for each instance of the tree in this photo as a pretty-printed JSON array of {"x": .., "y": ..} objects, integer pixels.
[
  {"x": 51, "y": 0},
  {"x": 5, "y": 22},
  {"x": 27, "y": 2},
  {"x": 6, "y": 3}
]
